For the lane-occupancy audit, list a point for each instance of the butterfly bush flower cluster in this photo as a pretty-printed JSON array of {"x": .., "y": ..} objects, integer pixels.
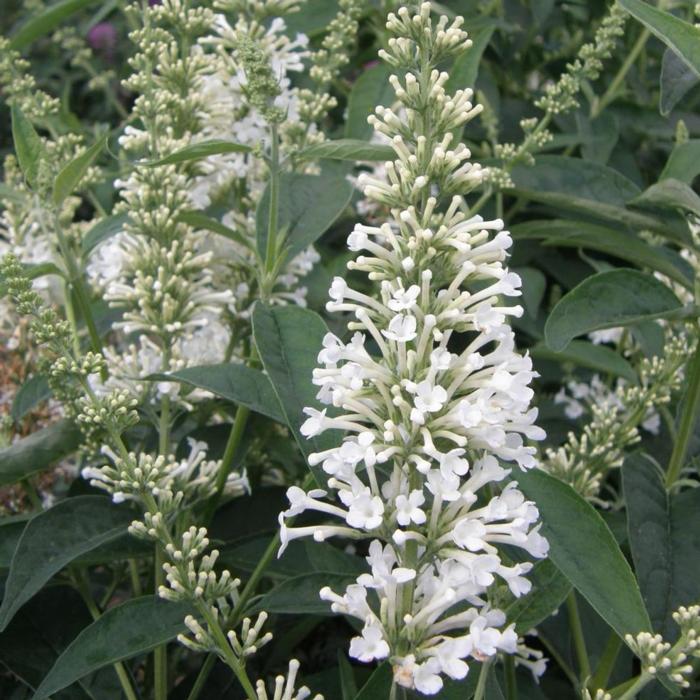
[{"x": 429, "y": 391}]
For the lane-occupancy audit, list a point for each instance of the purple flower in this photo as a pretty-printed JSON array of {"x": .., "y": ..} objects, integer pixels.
[{"x": 103, "y": 38}]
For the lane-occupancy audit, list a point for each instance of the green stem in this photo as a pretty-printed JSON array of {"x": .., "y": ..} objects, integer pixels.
[
  {"x": 160, "y": 657},
  {"x": 76, "y": 282},
  {"x": 479, "y": 693},
  {"x": 135, "y": 580},
  {"x": 32, "y": 494},
  {"x": 225, "y": 648},
  {"x": 641, "y": 682},
  {"x": 271, "y": 247},
  {"x": 202, "y": 676},
  {"x": 689, "y": 415},
  {"x": 511, "y": 681},
  {"x": 84, "y": 591},
  {"x": 579, "y": 640},
  {"x": 607, "y": 663},
  {"x": 70, "y": 315},
  {"x": 233, "y": 443},
  {"x": 611, "y": 93}
]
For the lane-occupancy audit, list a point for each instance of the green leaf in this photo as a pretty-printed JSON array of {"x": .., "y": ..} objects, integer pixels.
[
  {"x": 72, "y": 174},
  {"x": 132, "y": 628},
  {"x": 347, "y": 677},
  {"x": 38, "y": 451},
  {"x": 611, "y": 241},
  {"x": 664, "y": 536},
  {"x": 550, "y": 588},
  {"x": 465, "y": 69},
  {"x": 606, "y": 300},
  {"x": 28, "y": 145},
  {"x": 300, "y": 595},
  {"x": 592, "y": 189},
  {"x": 11, "y": 529},
  {"x": 45, "y": 21},
  {"x": 235, "y": 382},
  {"x": 308, "y": 206},
  {"x": 371, "y": 89},
  {"x": 33, "y": 392},
  {"x": 347, "y": 149},
  {"x": 197, "y": 151},
  {"x": 677, "y": 78},
  {"x": 670, "y": 194},
  {"x": 682, "y": 37},
  {"x": 584, "y": 354},
  {"x": 288, "y": 339},
  {"x": 312, "y": 18},
  {"x": 202, "y": 221},
  {"x": 564, "y": 180},
  {"x": 649, "y": 532},
  {"x": 102, "y": 231},
  {"x": 378, "y": 687},
  {"x": 684, "y": 162},
  {"x": 53, "y": 539},
  {"x": 534, "y": 286},
  {"x": 39, "y": 633},
  {"x": 585, "y": 551}
]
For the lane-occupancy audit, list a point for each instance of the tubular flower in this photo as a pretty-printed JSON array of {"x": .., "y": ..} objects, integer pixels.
[{"x": 429, "y": 393}]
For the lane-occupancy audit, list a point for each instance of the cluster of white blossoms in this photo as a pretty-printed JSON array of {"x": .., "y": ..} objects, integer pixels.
[
  {"x": 430, "y": 393},
  {"x": 180, "y": 286}
]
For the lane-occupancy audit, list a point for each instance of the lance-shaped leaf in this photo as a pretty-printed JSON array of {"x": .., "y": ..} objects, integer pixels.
[
  {"x": 202, "y": 221},
  {"x": 33, "y": 392},
  {"x": 664, "y": 539},
  {"x": 684, "y": 162},
  {"x": 584, "y": 354},
  {"x": 682, "y": 37},
  {"x": 308, "y": 205},
  {"x": 347, "y": 149},
  {"x": 677, "y": 79},
  {"x": 236, "y": 382},
  {"x": 38, "y": 451},
  {"x": 72, "y": 174},
  {"x": 606, "y": 300},
  {"x": 289, "y": 339},
  {"x": 28, "y": 145},
  {"x": 585, "y": 551},
  {"x": 46, "y": 20},
  {"x": 197, "y": 151},
  {"x": 102, "y": 231},
  {"x": 127, "y": 630},
  {"x": 670, "y": 194},
  {"x": 54, "y": 538},
  {"x": 372, "y": 88}
]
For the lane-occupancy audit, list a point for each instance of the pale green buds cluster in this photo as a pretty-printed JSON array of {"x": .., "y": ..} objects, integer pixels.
[
  {"x": 19, "y": 86},
  {"x": 585, "y": 460},
  {"x": 415, "y": 35},
  {"x": 659, "y": 658},
  {"x": 259, "y": 9},
  {"x": 262, "y": 86},
  {"x": 561, "y": 96},
  {"x": 284, "y": 687}
]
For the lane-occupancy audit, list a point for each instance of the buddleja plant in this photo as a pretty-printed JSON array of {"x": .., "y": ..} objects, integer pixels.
[{"x": 324, "y": 376}]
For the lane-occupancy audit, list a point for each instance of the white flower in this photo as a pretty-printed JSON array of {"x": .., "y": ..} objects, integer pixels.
[
  {"x": 313, "y": 425},
  {"x": 408, "y": 508},
  {"x": 370, "y": 646},
  {"x": 429, "y": 398},
  {"x": 401, "y": 328},
  {"x": 404, "y": 299}
]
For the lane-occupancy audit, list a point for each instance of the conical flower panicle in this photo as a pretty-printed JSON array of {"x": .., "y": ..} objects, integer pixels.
[{"x": 432, "y": 401}]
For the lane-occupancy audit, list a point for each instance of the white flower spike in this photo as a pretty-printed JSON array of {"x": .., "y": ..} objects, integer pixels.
[{"x": 442, "y": 406}]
